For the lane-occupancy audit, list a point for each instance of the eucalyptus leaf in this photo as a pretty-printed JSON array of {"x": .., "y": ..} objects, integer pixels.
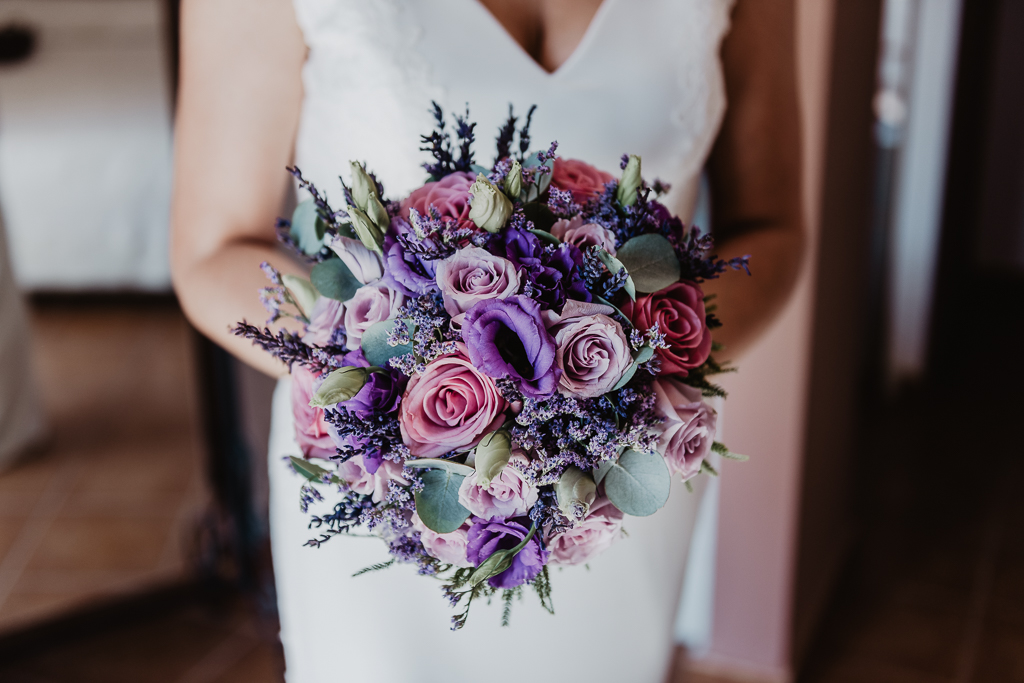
[
  {"x": 642, "y": 356},
  {"x": 307, "y": 227},
  {"x": 639, "y": 483},
  {"x": 302, "y": 292},
  {"x": 492, "y": 454},
  {"x": 540, "y": 215},
  {"x": 651, "y": 262},
  {"x": 334, "y": 280},
  {"x": 438, "y": 464},
  {"x": 547, "y": 237},
  {"x": 601, "y": 300},
  {"x": 309, "y": 470},
  {"x": 375, "y": 343},
  {"x": 614, "y": 265},
  {"x": 437, "y": 503},
  {"x": 341, "y": 385},
  {"x": 602, "y": 470}
]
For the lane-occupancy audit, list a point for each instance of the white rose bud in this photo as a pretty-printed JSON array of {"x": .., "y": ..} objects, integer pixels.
[
  {"x": 363, "y": 186},
  {"x": 630, "y": 182},
  {"x": 492, "y": 454},
  {"x": 489, "y": 208},
  {"x": 514, "y": 181},
  {"x": 377, "y": 213}
]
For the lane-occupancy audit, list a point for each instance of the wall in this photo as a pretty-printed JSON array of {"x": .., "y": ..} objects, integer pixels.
[{"x": 766, "y": 419}]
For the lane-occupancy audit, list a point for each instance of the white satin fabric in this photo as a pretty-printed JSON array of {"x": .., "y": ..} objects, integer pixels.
[{"x": 645, "y": 79}]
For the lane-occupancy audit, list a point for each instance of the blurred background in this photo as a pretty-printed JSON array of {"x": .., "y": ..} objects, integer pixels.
[{"x": 876, "y": 535}]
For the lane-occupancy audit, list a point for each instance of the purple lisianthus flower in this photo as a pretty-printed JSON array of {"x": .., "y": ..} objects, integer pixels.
[
  {"x": 486, "y": 537},
  {"x": 380, "y": 395},
  {"x": 507, "y": 338},
  {"x": 406, "y": 272},
  {"x": 553, "y": 273}
]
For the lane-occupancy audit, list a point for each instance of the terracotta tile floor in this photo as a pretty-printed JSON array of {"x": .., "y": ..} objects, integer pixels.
[{"x": 109, "y": 506}]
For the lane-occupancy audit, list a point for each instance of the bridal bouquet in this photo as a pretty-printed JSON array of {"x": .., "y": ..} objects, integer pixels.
[{"x": 498, "y": 367}]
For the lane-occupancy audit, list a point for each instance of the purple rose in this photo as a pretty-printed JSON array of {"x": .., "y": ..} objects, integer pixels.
[
  {"x": 406, "y": 272},
  {"x": 474, "y": 274},
  {"x": 507, "y": 338},
  {"x": 487, "y": 537},
  {"x": 593, "y": 352}
]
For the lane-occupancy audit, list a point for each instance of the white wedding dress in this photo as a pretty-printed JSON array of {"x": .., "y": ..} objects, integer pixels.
[{"x": 645, "y": 79}]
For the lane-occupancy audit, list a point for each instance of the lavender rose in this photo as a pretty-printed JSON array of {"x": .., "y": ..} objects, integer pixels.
[
  {"x": 375, "y": 484},
  {"x": 592, "y": 350},
  {"x": 450, "y": 405},
  {"x": 689, "y": 428},
  {"x": 506, "y": 338},
  {"x": 370, "y": 305},
  {"x": 510, "y": 494},
  {"x": 487, "y": 537},
  {"x": 450, "y": 547},
  {"x": 326, "y": 323},
  {"x": 474, "y": 274},
  {"x": 584, "y": 235},
  {"x": 591, "y": 537}
]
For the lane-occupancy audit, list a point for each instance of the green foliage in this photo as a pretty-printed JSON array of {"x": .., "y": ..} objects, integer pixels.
[
  {"x": 651, "y": 262},
  {"x": 375, "y": 343},
  {"x": 311, "y": 471},
  {"x": 720, "y": 448},
  {"x": 639, "y": 483},
  {"x": 437, "y": 463},
  {"x": 437, "y": 503},
  {"x": 307, "y": 228},
  {"x": 334, "y": 280},
  {"x": 374, "y": 568}
]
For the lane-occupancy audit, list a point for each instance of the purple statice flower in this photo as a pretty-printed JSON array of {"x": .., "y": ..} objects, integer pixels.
[
  {"x": 405, "y": 271},
  {"x": 507, "y": 338},
  {"x": 486, "y": 537},
  {"x": 561, "y": 203}
]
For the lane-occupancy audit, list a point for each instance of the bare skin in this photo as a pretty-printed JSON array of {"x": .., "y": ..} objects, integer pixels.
[{"x": 238, "y": 113}]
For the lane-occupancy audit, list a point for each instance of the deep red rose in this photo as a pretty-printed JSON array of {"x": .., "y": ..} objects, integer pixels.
[
  {"x": 679, "y": 312},
  {"x": 581, "y": 179}
]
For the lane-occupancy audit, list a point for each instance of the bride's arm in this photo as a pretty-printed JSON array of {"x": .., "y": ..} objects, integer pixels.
[
  {"x": 238, "y": 111},
  {"x": 755, "y": 171}
]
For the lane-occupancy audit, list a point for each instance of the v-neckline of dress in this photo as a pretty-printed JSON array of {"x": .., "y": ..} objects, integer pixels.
[{"x": 577, "y": 54}]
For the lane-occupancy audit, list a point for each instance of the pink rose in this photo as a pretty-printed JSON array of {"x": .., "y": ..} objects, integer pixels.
[
  {"x": 375, "y": 485},
  {"x": 584, "y": 235},
  {"x": 592, "y": 350},
  {"x": 311, "y": 429},
  {"x": 689, "y": 428},
  {"x": 450, "y": 196},
  {"x": 580, "y": 178},
  {"x": 474, "y": 274},
  {"x": 591, "y": 537},
  {"x": 326, "y": 317},
  {"x": 679, "y": 311},
  {"x": 364, "y": 264},
  {"x": 510, "y": 494},
  {"x": 370, "y": 305},
  {"x": 450, "y": 405},
  {"x": 450, "y": 547}
]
